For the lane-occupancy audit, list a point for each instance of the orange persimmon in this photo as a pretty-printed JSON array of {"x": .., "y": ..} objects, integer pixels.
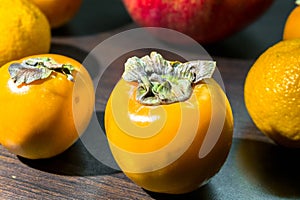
[
  {"x": 46, "y": 102},
  {"x": 164, "y": 139}
]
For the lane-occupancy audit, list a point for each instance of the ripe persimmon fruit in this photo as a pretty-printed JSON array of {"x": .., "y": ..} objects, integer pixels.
[
  {"x": 174, "y": 129},
  {"x": 46, "y": 102}
]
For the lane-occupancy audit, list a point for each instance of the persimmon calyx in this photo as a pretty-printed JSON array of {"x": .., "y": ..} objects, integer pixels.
[
  {"x": 38, "y": 68},
  {"x": 163, "y": 82}
]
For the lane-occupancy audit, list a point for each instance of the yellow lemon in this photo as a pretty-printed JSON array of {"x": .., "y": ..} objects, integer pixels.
[
  {"x": 272, "y": 92},
  {"x": 24, "y": 30}
]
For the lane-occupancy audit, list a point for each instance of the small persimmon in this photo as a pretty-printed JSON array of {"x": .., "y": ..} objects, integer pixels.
[{"x": 46, "y": 102}]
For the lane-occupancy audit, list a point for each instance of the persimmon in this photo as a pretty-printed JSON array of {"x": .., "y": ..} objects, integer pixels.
[
  {"x": 46, "y": 102},
  {"x": 174, "y": 129}
]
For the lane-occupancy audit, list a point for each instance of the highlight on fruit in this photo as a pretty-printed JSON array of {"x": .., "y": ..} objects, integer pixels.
[
  {"x": 174, "y": 130},
  {"x": 206, "y": 21},
  {"x": 46, "y": 103}
]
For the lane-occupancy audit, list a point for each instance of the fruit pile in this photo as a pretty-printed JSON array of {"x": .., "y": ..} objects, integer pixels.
[{"x": 47, "y": 100}]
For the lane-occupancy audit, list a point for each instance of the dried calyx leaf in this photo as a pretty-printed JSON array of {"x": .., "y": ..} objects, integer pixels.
[
  {"x": 38, "y": 68},
  {"x": 164, "y": 82}
]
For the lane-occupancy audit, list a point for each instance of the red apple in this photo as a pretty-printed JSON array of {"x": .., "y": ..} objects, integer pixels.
[{"x": 206, "y": 21}]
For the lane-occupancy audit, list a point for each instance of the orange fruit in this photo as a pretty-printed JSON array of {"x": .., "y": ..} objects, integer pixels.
[
  {"x": 292, "y": 25},
  {"x": 272, "y": 92},
  {"x": 58, "y": 12},
  {"x": 42, "y": 118},
  {"x": 160, "y": 147},
  {"x": 24, "y": 30}
]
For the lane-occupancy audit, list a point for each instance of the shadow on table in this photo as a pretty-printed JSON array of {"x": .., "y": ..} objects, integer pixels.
[
  {"x": 204, "y": 193},
  {"x": 273, "y": 168},
  {"x": 75, "y": 161},
  {"x": 253, "y": 170},
  {"x": 68, "y": 50}
]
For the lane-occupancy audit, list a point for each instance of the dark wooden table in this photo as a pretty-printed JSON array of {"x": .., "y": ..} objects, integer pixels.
[{"x": 255, "y": 169}]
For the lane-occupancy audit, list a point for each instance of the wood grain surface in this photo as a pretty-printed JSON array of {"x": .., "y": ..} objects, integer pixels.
[
  {"x": 76, "y": 174},
  {"x": 256, "y": 168}
]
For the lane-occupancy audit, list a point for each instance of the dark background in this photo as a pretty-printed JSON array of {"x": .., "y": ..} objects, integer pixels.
[
  {"x": 98, "y": 16},
  {"x": 255, "y": 168}
]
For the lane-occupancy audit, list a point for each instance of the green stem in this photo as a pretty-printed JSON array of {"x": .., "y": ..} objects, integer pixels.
[
  {"x": 34, "y": 69},
  {"x": 162, "y": 81}
]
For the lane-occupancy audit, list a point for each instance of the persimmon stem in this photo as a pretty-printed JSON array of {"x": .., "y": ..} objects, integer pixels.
[
  {"x": 164, "y": 82},
  {"x": 38, "y": 68}
]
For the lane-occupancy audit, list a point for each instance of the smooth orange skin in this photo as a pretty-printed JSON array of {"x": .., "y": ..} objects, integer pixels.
[
  {"x": 292, "y": 25},
  {"x": 37, "y": 119},
  {"x": 156, "y": 127},
  {"x": 58, "y": 12}
]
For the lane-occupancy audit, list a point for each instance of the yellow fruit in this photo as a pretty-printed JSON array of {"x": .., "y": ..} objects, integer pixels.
[
  {"x": 158, "y": 144},
  {"x": 272, "y": 93},
  {"x": 24, "y": 30},
  {"x": 58, "y": 12},
  {"x": 45, "y": 116},
  {"x": 292, "y": 25}
]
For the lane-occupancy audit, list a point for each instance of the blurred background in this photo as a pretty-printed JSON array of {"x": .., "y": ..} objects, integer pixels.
[{"x": 99, "y": 17}]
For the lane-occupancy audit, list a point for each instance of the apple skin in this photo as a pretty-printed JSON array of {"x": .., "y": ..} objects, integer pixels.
[{"x": 206, "y": 21}]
